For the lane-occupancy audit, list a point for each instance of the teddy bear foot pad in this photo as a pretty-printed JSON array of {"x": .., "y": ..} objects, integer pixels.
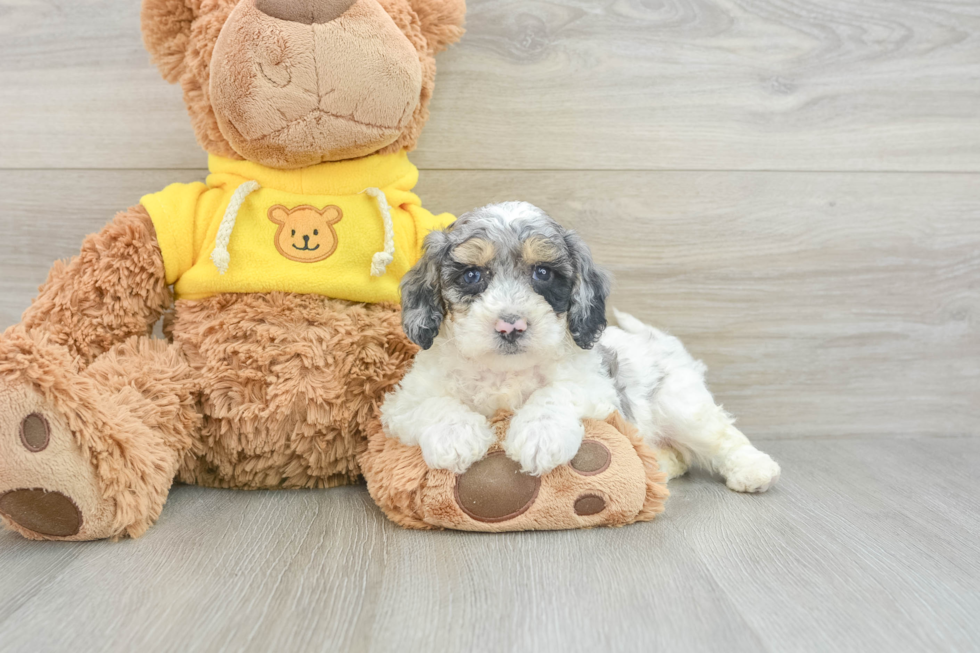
[
  {"x": 613, "y": 480},
  {"x": 48, "y": 490},
  {"x": 495, "y": 490}
]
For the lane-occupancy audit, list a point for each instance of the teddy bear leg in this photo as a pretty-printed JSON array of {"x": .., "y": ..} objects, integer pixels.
[
  {"x": 613, "y": 480},
  {"x": 87, "y": 455}
]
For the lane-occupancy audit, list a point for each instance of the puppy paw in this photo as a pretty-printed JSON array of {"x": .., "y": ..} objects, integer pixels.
[
  {"x": 671, "y": 462},
  {"x": 544, "y": 441},
  {"x": 750, "y": 470},
  {"x": 455, "y": 444}
]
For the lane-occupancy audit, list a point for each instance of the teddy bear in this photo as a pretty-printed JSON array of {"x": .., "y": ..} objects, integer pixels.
[{"x": 277, "y": 278}]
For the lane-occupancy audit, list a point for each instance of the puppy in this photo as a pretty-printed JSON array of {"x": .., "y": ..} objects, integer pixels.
[{"x": 509, "y": 310}]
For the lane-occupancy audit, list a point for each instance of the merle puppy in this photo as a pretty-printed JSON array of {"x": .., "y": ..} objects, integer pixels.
[{"x": 509, "y": 310}]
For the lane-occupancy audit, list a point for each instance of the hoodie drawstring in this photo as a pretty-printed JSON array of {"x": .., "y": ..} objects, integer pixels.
[
  {"x": 381, "y": 260},
  {"x": 220, "y": 255}
]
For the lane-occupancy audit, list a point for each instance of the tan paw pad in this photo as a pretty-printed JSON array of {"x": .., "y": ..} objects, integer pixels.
[
  {"x": 589, "y": 504},
  {"x": 592, "y": 458},
  {"x": 46, "y": 513},
  {"x": 495, "y": 490},
  {"x": 35, "y": 434}
]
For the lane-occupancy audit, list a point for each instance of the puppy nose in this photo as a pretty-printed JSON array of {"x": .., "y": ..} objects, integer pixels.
[
  {"x": 510, "y": 327},
  {"x": 306, "y": 239},
  {"x": 307, "y": 12}
]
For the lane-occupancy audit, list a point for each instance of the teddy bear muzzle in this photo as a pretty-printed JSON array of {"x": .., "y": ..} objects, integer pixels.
[{"x": 300, "y": 82}]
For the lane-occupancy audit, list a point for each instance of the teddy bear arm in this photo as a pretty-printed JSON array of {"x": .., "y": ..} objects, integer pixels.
[{"x": 114, "y": 289}]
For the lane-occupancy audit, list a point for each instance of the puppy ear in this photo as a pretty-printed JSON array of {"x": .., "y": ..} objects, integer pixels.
[
  {"x": 587, "y": 313},
  {"x": 422, "y": 309}
]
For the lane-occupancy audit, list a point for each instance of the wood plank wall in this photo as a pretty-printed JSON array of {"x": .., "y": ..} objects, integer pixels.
[{"x": 793, "y": 188}]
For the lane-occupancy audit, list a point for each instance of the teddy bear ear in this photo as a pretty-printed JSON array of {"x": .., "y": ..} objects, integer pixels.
[
  {"x": 278, "y": 214},
  {"x": 166, "y": 26},
  {"x": 442, "y": 21},
  {"x": 332, "y": 213}
]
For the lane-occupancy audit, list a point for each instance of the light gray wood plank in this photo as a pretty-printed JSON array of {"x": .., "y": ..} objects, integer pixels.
[
  {"x": 221, "y": 570},
  {"x": 571, "y": 84},
  {"x": 847, "y": 553},
  {"x": 824, "y": 304},
  {"x": 857, "y": 553},
  {"x": 623, "y": 590},
  {"x": 80, "y": 92}
]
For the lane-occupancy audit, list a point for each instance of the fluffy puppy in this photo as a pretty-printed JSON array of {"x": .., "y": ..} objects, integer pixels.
[{"x": 509, "y": 310}]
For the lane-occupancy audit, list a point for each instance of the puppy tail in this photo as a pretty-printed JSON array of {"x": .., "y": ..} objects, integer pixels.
[{"x": 629, "y": 323}]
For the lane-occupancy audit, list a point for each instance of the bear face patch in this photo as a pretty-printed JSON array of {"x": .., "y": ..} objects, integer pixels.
[{"x": 306, "y": 233}]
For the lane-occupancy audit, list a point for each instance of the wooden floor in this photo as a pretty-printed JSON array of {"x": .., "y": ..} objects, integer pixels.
[
  {"x": 793, "y": 188},
  {"x": 866, "y": 545}
]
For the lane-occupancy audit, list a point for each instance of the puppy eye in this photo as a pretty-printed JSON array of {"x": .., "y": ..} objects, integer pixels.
[
  {"x": 472, "y": 277},
  {"x": 316, "y": 232},
  {"x": 294, "y": 232},
  {"x": 542, "y": 274}
]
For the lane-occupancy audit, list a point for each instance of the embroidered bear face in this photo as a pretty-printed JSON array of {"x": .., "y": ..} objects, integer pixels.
[{"x": 306, "y": 233}]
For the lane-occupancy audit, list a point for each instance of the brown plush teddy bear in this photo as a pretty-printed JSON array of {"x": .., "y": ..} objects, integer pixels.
[{"x": 285, "y": 333}]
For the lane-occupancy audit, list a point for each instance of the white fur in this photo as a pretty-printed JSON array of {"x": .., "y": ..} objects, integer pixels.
[
  {"x": 463, "y": 381},
  {"x": 671, "y": 406}
]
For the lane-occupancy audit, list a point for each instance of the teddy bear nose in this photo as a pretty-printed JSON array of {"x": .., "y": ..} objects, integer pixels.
[{"x": 307, "y": 12}]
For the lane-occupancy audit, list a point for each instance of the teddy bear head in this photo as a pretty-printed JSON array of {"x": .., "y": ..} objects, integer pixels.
[{"x": 292, "y": 83}]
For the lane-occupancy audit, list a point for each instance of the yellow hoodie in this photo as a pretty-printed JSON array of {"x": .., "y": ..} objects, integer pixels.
[{"x": 348, "y": 230}]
